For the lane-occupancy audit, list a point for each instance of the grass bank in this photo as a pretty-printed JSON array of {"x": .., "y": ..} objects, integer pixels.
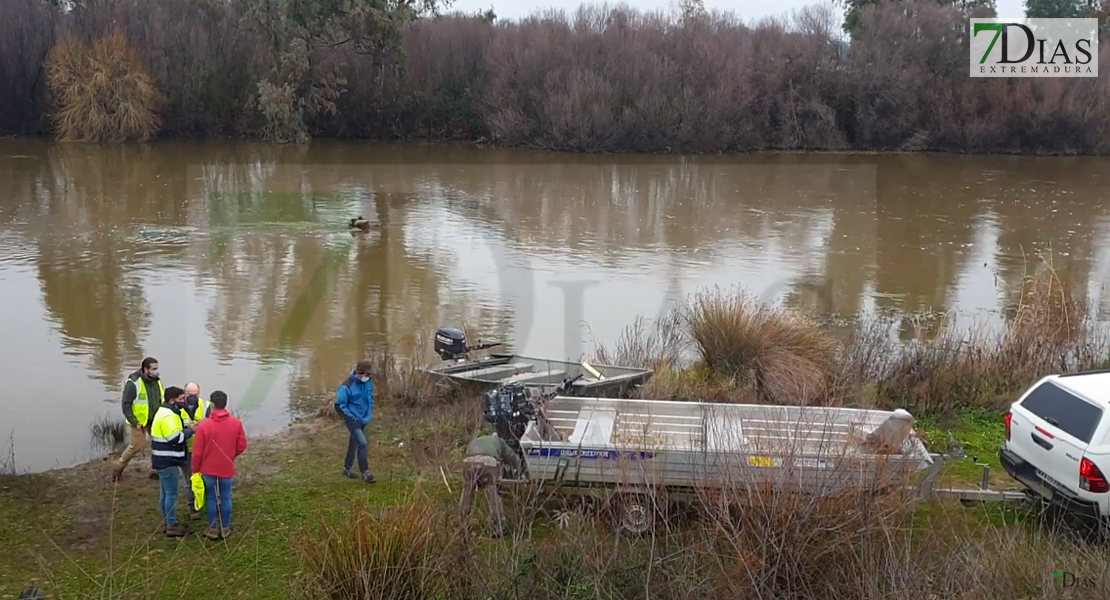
[{"x": 303, "y": 530}]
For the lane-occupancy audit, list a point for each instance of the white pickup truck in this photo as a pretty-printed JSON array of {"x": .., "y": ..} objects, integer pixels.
[{"x": 1058, "y": 441}]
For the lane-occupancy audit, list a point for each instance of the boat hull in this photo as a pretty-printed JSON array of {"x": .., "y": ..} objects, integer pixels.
[{"x": 492, "y": 371}]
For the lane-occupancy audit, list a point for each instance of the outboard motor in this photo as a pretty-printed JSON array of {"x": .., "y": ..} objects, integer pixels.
[
  {"x": 451, "y": 344},
  {"x": 509, "y": 408}
]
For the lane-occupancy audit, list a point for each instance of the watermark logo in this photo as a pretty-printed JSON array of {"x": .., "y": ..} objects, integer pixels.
[
  {"x": 1034, "y": 48},
  {"x": 1066, "y": 580}
]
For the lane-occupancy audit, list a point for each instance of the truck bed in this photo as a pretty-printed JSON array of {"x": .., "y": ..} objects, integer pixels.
[{"x": 698, "y": 444}]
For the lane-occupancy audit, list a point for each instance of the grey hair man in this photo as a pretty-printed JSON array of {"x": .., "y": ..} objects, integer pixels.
[{"x": 195, "y": 409}]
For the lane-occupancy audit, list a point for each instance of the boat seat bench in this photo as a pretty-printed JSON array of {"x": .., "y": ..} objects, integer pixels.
[
  {"x": 525, "y": 377},
  {"x": 498, "y": 371}
]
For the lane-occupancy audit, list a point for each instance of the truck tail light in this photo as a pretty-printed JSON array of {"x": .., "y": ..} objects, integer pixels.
[{"x": 1091, "y": 478}]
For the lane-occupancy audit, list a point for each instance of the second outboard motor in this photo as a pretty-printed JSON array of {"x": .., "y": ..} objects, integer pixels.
[{"x": 508, "y": 408}]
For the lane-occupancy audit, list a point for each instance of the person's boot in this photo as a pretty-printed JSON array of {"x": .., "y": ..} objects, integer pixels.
[
  {"x": 212, "y": 533},
  {"x": 194, "y": 514},
  {"x": 225, "y": 532},
  {"x": 368, "y": 478},
  {"x": 176, "y": 530},
  {"x": 349, "y": 473}
]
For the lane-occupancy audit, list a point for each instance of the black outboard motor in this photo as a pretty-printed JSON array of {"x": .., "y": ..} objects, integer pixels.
[
  {"x": 509, "y": 408},
  {"x": 450, "y": 343}
]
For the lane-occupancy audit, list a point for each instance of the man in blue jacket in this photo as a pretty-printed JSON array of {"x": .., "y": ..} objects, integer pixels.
[{"x": 354, "y": 400}]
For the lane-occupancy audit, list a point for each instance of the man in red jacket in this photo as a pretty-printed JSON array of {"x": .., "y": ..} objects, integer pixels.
[{"x": 219, "y": 440}]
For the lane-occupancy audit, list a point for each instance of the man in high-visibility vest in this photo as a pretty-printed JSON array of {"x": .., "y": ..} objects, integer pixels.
[
  {"x": 168, "y": 444},
  {"x": 194, "y": 411},
  {"x": 143, "y": 392}
]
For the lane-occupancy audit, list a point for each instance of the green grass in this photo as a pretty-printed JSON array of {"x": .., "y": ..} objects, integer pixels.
[
  {"x": 980, "y": 433},
  {"x": 59, "y": 533},
  {"x": 289, "y": 495}
]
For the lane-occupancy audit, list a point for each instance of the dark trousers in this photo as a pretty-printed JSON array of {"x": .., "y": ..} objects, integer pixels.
[
  {"x": 482, "y": 476},
  {"x": 356, "y": 445}
]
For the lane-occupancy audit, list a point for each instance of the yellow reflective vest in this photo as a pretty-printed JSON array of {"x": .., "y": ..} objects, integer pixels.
[
  {"x": 196, "y": 482},
  {"x": 197, "y": 417},
  {"x": 167, "y": 439},
  {"x": 141, "y": 405}
]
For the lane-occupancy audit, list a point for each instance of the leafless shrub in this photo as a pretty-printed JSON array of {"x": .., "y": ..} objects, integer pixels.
[
  {"x": 603, "y": 78},
  {"x": 27, "y": 33}
]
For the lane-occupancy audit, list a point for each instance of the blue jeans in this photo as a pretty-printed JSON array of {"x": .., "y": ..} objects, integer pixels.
[
  {"x": 168, "y": 479},
  {"x": 357, "y": 444},
  {"x": 218, "y": 506}
]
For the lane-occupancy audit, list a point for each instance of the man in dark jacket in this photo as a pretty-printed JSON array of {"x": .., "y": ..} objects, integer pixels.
[
  {"x": 354, "y": 400},
  {"x": 487, "y": 459},
  {"x": 142, "y": 394},
  {"x": 168, "y": 437}
]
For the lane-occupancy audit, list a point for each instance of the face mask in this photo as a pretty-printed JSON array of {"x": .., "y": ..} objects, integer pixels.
[
  {"x": 364, "y": 378},
  {"x": 154, "y": 374},
  {"x": 191, "y": 399}
]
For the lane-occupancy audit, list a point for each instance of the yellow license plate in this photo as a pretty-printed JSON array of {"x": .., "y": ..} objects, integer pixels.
[{"x": 761, "y": 461}]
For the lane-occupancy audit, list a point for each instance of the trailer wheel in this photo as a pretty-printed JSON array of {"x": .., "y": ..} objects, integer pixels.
[{"x": 635, "y": 515}]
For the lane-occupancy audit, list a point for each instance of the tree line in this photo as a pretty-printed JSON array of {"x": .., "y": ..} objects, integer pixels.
[{"x": 601, "y": 79}]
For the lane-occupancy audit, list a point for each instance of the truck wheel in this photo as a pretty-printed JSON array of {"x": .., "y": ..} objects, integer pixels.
[{"x": 635, "y": 515}]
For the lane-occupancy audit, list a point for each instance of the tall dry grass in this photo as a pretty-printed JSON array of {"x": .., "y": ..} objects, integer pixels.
[
  {"x": 742, "y": 350},
  {"x": 782, "y": 354},
  {"x": 740, "y": 542},
  {"x": 406, "y": 553},
  {"x": 102, "y": 91}
]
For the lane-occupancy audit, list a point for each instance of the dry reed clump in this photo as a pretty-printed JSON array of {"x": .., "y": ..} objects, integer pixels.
[
  {"x": 658, "y": 345},
  {"x": 772, "y": 542},
  {"x": 942, "y": 374},
  {"x": 744, "y": 542},
  {"x": 750, "y": 351},
  {"x": 102, "y": 92},
  {"x": 410, "y": 552},
  {"x": 786, "y": 356},
  {"x": 1048, "y": 330},
  {"x": 696, "y": 382}
]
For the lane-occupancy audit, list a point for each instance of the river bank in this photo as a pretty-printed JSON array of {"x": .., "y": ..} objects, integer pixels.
[{"x": 302, "y": 529}]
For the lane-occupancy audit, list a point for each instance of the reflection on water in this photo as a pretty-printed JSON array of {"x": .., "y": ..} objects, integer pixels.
[{"x": 231, "y": 263}]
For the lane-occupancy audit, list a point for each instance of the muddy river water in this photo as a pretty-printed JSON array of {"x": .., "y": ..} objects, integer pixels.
[{"x": 231, "y": 262}]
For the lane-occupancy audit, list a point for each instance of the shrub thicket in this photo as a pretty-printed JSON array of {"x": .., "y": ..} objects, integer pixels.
[{"x": 601, "y": 79}]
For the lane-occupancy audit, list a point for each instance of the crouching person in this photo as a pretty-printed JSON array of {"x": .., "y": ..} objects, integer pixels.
[
  {"x": 220, "y": 439},
  {"x": 487, "y": 458}
]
